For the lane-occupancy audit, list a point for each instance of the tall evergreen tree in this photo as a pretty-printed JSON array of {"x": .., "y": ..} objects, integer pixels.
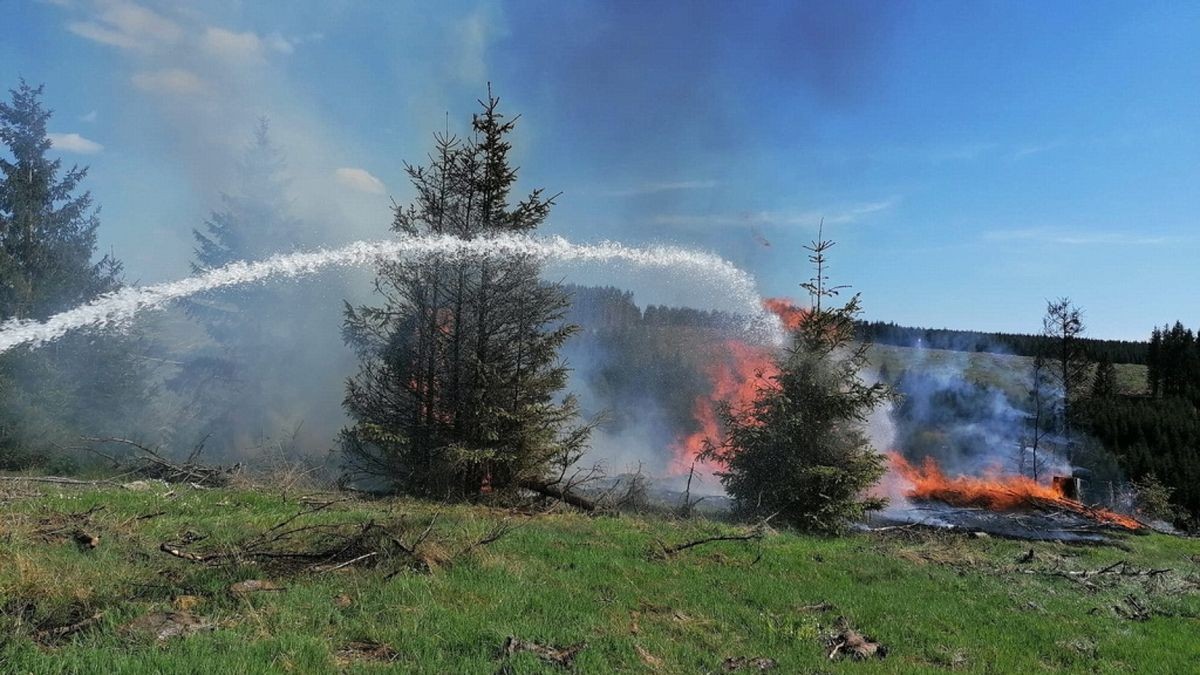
[
  {"x": 459, "y": 382},
  {"x": 82, "y": 383}
]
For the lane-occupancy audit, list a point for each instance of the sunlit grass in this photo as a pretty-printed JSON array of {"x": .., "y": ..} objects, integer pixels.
[{"x": 937, "y": 601}]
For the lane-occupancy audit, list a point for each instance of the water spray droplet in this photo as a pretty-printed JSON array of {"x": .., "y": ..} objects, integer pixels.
[{"x": 117, "y": 309}]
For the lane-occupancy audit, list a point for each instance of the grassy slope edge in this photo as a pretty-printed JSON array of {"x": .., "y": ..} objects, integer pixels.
[{"x": 937, "y": 601}]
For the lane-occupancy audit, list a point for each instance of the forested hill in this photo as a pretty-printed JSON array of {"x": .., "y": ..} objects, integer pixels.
[
  {"x": 887, "y": 333},
  {"x": 597, "y": 307}
]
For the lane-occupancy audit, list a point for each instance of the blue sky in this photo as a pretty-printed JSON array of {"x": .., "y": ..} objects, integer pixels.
[{"x": 971, "y": 159}]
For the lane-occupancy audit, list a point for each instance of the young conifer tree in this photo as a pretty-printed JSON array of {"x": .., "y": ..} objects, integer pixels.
[
  {"x": 800, "y": 451},
  {"x": 459, "y": 385}
]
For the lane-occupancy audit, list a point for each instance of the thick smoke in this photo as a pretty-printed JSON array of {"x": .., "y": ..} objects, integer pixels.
[{"x": 968, "y": 411}]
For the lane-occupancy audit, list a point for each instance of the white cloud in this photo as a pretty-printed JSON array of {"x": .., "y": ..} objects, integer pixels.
[
  {"x": 842, "y": 215},
  {"x": 89, "y": 118},
  {"x": 360, "y": 180},
  {"x": 74, "y": 143},
  {"x": 1036, "y": 148},
  {"x": 474, "y": 33},
  {"x": 98, "y": 33},
  {"x": 655, "y": 188},
  {"x": 1068, "y": 238},
  {"x": 280, "y": 44},
  {"x": 128, "y": 26},
  {"x": 169, "y": 80},
  {"x": 232, "y": 46}
]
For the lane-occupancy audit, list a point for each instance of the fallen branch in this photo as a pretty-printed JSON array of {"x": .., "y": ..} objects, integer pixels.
[
  {"x": 187, "y": 555},
  {"x": 288, "y": 547},
  {"x": 348, "y": 563},
  {"x": 553, "y": 491},
  {"x": 56, "y": 480},
  {"x": 495, "y": 534},
  {"x": 63, "y": 631},
  {"x": 755, "y": 535}
]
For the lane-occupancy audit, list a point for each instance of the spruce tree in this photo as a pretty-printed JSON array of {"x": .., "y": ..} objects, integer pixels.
[
  {"x": 252, "y": 382},
  {"x": 1104, "y": 382},
  {"x": 83, "y": 383},
  {"x": 459, "y": 385},
  {"x": 1154, "y": 363},
  {"x": 800, "y": 450}
]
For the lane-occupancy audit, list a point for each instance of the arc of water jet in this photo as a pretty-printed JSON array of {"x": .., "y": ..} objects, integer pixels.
[{"x": 119, "y": 307}]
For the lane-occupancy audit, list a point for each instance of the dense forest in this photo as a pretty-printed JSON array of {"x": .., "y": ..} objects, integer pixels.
[{"x": 1158, "y": 435}]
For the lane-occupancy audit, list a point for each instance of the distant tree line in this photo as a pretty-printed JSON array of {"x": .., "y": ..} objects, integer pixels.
[
  {"x": 1152, "y": 437},
  {"x": 627, "y": 356},
  {"x": 888, "y": 333},
  {"x": 599, "y": 307},
  {"x": 616, "y": 307}
]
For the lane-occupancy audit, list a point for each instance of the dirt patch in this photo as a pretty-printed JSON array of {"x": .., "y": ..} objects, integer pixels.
[
  {"x": 647, "y": 658},
  {"x": 735, "y": 664},
  {"x": 243, "y": 589},
  {"x": 365, "y": 650},
  {"x": 164, "y": 626},
  {"x": 561, "y": 656}
]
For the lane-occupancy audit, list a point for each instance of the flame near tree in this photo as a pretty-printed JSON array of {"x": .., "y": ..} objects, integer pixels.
[
  {"x": 790, "y": 439},
  {"x": 736, "y": 371}
]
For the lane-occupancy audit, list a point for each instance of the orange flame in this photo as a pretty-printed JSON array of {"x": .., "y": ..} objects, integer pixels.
[
  {"x": 787, "y": 311},
  {"x": 995, "y": 492},
  {"x": 736, "y": 374}
]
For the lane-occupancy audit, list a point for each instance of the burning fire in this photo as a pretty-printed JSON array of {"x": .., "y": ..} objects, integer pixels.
[
  {"x": 737, "y": 373},
  {"x": 787, "y": 311},
  {"x": 995, "y": 492}
]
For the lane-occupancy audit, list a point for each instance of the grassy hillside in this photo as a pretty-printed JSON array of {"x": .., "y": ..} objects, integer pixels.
[
  {"x": 1005, "y": 372},
  {"x": 936, "y": 601}
]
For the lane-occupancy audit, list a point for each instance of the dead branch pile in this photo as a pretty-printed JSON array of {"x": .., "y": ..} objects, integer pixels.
[
  {"x": 1099, "y": 515},
  {"x": 289, "y": 547},
  {"x": 292, "y": 547},
  {"x": 1087, "y": 578},
  {"x": 149, "y": 463}
]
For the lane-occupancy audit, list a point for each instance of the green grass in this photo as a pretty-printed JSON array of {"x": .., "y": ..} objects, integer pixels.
[{"x": 937, "y": 601}]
